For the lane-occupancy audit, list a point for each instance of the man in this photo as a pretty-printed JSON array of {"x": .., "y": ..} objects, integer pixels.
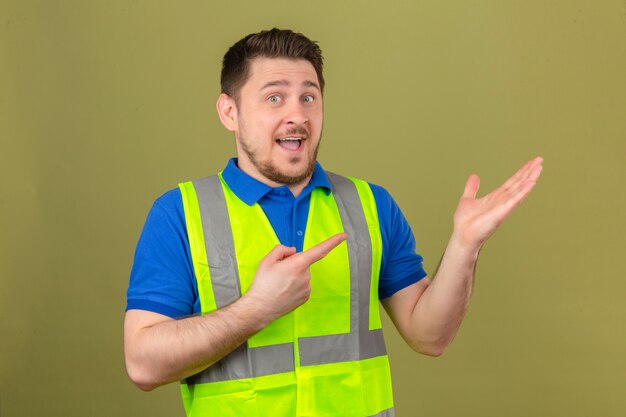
[{"x": 259, "y": 287}]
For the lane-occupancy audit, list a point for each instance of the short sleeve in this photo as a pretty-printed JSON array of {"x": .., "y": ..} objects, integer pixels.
[
  {"x": 161, "y": 278},
  {"x": 401, "y": 265}
]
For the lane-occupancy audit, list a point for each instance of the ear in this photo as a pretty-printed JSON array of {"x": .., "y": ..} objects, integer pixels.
[{"x": 227, "y": 111}]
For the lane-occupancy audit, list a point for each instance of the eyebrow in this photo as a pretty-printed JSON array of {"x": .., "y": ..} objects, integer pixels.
[{"x": 285, "y": 83}]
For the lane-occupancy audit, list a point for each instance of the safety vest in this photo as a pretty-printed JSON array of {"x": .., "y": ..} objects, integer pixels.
[{"x": 325, "y": 358}]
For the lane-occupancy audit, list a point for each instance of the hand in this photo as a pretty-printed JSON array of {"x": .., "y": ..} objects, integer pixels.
[
  {"x": 283, "y": 280},
  {"x": 475, "y": 219}
]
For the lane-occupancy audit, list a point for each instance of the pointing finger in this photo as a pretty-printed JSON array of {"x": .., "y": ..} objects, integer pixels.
[
  {"x": 317, "y": 252},
  {"x": 279, "y": 253}
]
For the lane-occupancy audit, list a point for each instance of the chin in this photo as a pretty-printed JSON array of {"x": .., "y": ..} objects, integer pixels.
[{"x": 291, "y": 176}]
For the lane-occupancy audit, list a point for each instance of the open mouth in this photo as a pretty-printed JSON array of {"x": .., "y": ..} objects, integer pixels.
[{"x": 291, "y": 143}]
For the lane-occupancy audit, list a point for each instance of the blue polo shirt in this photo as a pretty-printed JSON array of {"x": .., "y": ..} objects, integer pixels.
[{"x": 162, "y": 278}]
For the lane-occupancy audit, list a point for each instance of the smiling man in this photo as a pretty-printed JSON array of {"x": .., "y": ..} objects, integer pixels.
[
  {"x": 259, "y": 287},
  {"x": 277, "y": 119}
]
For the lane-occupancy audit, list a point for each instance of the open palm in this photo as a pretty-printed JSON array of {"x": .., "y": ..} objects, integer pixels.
[{"x": 475, "y": 219}]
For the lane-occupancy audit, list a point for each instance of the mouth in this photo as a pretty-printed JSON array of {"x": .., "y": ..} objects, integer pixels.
[{"x": 293, "y": 143}]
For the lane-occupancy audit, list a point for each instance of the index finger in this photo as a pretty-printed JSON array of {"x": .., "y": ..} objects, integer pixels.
[{"x": 317, "y": 252}]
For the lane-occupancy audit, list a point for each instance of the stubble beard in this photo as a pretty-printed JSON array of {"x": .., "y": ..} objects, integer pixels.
[{"x": 273, "y": 173}]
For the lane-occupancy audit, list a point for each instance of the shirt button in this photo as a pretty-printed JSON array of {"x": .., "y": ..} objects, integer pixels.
[
  {"x": 299, "y": 232},
  {"x": 283, "y": 193}
]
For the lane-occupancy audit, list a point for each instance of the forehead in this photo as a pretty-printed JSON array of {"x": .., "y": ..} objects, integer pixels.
[{"x": 296, "y": 71}]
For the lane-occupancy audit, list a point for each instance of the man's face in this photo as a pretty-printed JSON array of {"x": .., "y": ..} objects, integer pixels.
[{"x": 278, "y": 121}]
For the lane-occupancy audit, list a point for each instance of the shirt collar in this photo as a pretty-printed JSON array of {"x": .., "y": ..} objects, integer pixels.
[{"x": 251, "y": 190}]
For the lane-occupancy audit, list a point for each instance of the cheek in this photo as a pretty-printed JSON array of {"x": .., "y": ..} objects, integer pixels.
[
  {"x": 266, "y": 122},
  {"x": 317, "y": 120},
  {"x": 256, "y": 129}
]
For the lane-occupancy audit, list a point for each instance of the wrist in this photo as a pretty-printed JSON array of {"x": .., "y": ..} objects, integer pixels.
[
  {"x": 256, "y": 310},
  {"x": 460, "y": 243}
]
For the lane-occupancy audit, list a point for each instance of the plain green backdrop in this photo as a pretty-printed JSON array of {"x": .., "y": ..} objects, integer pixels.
[{"x": 105, "y": 105}]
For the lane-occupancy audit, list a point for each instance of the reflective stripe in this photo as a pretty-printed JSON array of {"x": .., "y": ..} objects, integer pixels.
[
  {"x": 359, "y": 248},
  {"x": 193, "y": 219},
  {"x": 246, "y": 362},
  {"x": 361, "y": 343},
  {"x": 385, "y": 413},
  {"x": 341, "y": 347},
  {"x": 218, "y": 240},
  {"x": 243, "y": 362},
  {"x": 368, "y": 202}
]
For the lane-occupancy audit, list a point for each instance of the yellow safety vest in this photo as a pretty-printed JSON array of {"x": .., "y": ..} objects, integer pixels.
[{"x": 325, "y": 358}]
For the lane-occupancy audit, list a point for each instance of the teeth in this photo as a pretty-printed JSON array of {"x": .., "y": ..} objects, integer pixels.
[{"x": 289, "y": 139}]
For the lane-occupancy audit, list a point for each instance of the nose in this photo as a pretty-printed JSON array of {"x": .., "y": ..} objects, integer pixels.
[{"x": 296, "y": 114}]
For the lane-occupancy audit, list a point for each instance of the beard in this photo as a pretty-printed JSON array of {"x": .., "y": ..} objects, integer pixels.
[{"x": 272, "y": 172}]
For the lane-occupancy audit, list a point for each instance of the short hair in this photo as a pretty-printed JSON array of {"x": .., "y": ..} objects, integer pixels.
[{"x": 274, "y": 43}]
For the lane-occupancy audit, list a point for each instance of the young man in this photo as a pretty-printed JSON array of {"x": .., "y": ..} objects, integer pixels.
[{"x": 259, "y": 287}]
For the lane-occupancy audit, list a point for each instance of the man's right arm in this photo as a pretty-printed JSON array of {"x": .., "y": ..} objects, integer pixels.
[{"x": 160, "y": 350}]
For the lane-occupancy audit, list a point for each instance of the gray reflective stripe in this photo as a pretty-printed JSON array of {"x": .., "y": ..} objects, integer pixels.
[
  {"x": 218, "y": 240},
  {"x": 385, "y": 413},
  {"x": 359, "y": 249},
  {"x": 341, "y": 347},
  {"x": 245, "y": 362},
  {"x": 361, "y": 343}
]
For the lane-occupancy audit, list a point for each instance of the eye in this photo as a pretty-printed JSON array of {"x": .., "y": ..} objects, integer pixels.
[
  {"x": 274, "y": 99},
  {"x": 308, "y": 98}
]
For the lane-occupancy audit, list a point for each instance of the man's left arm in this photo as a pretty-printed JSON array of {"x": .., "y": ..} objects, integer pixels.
[{"x": 428, "y": 314}]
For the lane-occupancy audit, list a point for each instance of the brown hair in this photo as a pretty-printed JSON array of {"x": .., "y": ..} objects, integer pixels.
[{"x": 274, "y": 43}]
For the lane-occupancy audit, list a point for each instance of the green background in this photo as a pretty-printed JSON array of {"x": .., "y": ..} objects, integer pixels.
[{"x": 105, "y": 105}]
